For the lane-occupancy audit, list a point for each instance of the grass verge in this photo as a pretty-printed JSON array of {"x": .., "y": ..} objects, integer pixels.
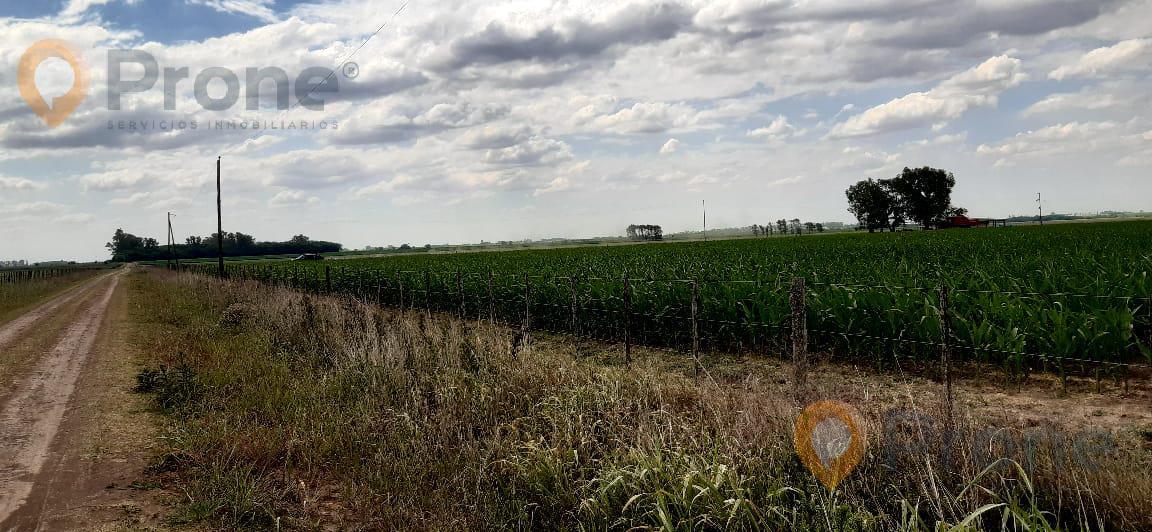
[
  {"x": 302, "y": 412},
  {"x": 16, "y": 298}
]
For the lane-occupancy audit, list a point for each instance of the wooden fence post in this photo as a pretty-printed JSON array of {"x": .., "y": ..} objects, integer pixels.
[
  {"x": 427, "y": 294},
  {"x": 627, "y": 320},
  {"x": 491, "y": 300},
  {"x": 527, "y": 327},
  {"x": 797, "y": 299},
  {"x": 460, "y": 292},
  {"x": 400, "y": 289},
  {"x": 575, "y": 305},
  {"x": 946, "y": 363},
  {"x": 696, "y": 329}
]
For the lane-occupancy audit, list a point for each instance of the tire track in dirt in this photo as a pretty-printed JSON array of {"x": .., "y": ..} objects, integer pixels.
[{"x": 32, "y": 416}]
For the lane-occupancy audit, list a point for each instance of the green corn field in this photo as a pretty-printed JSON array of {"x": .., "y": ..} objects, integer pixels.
[{"x": 1059, "y": 297}]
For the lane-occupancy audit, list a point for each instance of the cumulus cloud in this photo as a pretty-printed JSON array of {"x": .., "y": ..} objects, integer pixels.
[
  {"x": 260, "y": 9},
  {"x": 647, "y": 118},
  {"x": 1053, "y": 140},
  {"x": 292, "y": 198},
  {"x": 1130, "y": 55},
  {"x": 569, "y": 39},
  {"x": 779, "y": 129},
  {"x": 979, "y": 86},
  {"x": 19, "y": 183},
  {"x": 475, "y": 100},
  {"x": 384, "y": 125},
  {"x": 536, "y": 151}
]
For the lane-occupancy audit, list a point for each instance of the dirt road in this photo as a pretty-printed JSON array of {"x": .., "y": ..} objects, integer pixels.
[{"x": 68, "y": 439}]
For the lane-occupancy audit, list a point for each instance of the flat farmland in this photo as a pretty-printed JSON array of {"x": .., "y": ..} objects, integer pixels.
[{"x": 1060, "y": 297}]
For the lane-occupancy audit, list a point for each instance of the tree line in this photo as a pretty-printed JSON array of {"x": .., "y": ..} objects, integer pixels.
[
  {"x": 127, "y": 247},
  {"x": 787, "y": 227},
  {"x": 921, "y": 195},
  {"x": 645, "y": 232}
]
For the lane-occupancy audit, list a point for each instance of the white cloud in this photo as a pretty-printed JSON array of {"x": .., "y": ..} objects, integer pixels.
[
  {"x": 1130, "y": 55},
  {"x": 137, "y": 199},
  {"x": 33, "y": 208},
  {"x": 647, "y": 117},
  {"x": 260, "y": 9},
  {"x": 1116, "y": 142},
  {"x": 670, "y": 147},
  {"x": 556, "y": 185},
  {"x": 19, "y": 183},
  {"x": 779, "y": 129},
  {"x": 979, "y": 86},
  {"x": 75, "y": 8},
  {"x": 292, "y": 198},
  {"x": 113, "y": 180}
]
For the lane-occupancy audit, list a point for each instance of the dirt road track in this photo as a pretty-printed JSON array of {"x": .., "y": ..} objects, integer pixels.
[{"x": 66, "y": 376}]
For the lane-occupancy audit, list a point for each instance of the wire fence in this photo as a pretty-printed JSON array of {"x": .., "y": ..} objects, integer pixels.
[
  {"x": 30, "y": 275},
  {"x": 1069, "y": 333}
]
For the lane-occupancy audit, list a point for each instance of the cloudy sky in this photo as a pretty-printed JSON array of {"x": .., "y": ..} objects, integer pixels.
[{"x": 476, "y": 120}]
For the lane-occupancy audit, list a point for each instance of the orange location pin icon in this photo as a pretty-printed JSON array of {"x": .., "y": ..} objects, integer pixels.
[
  {"x": 61, "y": 107},
  {"x": 830, "y": 438}
]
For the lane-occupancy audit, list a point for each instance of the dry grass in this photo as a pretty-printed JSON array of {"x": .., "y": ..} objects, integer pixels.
[
  {"x": 15, "y": 298},
  {"x": 308, "y": 412}
]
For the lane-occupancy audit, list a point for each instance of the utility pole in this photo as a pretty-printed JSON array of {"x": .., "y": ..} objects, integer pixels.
[
  {"x": 704, "y": 207},
  {"x": 171, "y": 252},
  {"x": 1041, "y": 207},
  {"x": 219, "y": 225},
  {"x": 172, "y": 243}
]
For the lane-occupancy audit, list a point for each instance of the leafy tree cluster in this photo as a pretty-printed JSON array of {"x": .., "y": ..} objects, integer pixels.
[
  {"x": 126, "y": 247},
  {"x": 922, "y": 195},
  {"x": 645, "y": 232},
  {"x": 785, "y": 227}
]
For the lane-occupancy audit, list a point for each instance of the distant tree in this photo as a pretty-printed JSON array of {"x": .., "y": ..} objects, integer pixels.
[
  {"x": 645, "y": 233},
  {"x": 126, "y": 247},
  {"x": 819, "y": 228},
  {"x": 796, "y": 227},
  {"x": 924, "y": 194},
  {"x": 755, "y": 230},
  {"x": 782, "y": 226},
  {"x": 768, "y": 229},
  {"x": 811, "y": 227},
  {"x": 874, "y": 205}
]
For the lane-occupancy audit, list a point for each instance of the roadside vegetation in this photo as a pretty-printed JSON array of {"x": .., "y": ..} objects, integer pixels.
[
  {"x": 17, "y": 296},
  {"x": 296, "y": 411}
]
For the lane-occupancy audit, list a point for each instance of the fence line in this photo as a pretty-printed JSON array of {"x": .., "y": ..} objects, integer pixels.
[
  {"x": 630, "y": 325},
  {"x": 28, "y": 275}
]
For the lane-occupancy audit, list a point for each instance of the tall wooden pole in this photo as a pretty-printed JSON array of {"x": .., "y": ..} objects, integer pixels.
[
  {"x": 219, "y": 225},
  {"x": 170, "y": 252},
  {"x": 1040, "y": 206}
]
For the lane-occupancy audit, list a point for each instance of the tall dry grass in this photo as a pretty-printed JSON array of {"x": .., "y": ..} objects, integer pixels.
[
  {"x": 297, "y": 411},
  {"x": 18, "y": 296}
]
